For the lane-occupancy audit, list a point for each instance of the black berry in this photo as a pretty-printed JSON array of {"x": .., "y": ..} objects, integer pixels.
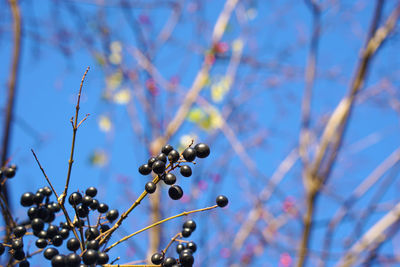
[
  {"x": 19, "y": 231},
  {"x": 72, "y": 259},
  {"x": 189, "y": 154},
  {"x": 157, "y": 258},
  {"x": 222, "y": 201},
  {"x": 162, "y": 157},
  {"x": 27, "y": 199},
  {"x": 186, "y": 170},
  {"x": 190, "y": 224},
  {"x": 173, "y": 156},
  {"x": 186, "y": 232},
  {"x": 166, "y": 149},
  {"x": 90, "y": 257},
  {"x": 91, "y": 191},
  {"x": 145, "y": 169},
  {"x": 73, "y": 244},
  {"x": 41, "y": 243},
  {"x": 158, "y": 167},
  {"x": 202, "y": 150},
  {"x": 58, "y": 261},
  {"x": 150, "y": 187},
  {"x": 75, "y": 198},
  {"x": 102, "y": 258},
  {"x": 175, "y": 192},
  {"x": 112, "y": 215},
  {"x": 170, "y": 179},
  {"x": 49, "y": 253},
  {"x": 103, "y": 208},
  {"x": 192, "y": 246}
]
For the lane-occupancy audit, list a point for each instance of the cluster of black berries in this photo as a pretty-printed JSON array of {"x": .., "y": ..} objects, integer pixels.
[
  {"x": 185, "y": 250},
  {"x": 42, "y": 213},
  {"x": 158, "y": 165}
]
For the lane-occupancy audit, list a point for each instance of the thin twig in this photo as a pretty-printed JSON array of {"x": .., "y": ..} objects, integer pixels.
[
  {"x": 185, "y": 213},
  {"x": 12, "y": 86},
  {"x": 74, "y": 130}
]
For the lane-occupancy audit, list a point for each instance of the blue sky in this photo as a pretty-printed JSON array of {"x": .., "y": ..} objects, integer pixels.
[{"x": 276, "y": 34}]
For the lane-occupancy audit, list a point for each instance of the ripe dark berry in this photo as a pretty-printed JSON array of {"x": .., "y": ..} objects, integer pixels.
[
  {"x": 87, "y": 200},
  {"x": 169, "y": 262},
  {"x": 75, "y": 198},
  {"x": 38, "y": 198},
  {"x": 1, "y": 248},
  {"x": 73, "y": 259},
  {"x": 33, "y": 212},
  {"x": 95, "y": 204},
  {"x": 19, "y": 231},
  {"x": 24, "y": 263},
  {"x": 41, "y": 243},
  {"x": 112, "y": 215},
  {"x": 42, "y": 234},
  {"x": 58, "y": 261},
  {"x": 90, "y": 257},
  {"x": 47, "y": 191},
  {"x": 162, "y": 157},
  {"x": 173, "y": 156},
  {"x": 151, "y": 161},
  {"x": 103, "y": 208},
  {"x": 180, "y": 247},
  {"x": 64, "y": 233},
  {"x": 169, "y": 179},
  {"x": 222, "y": 201},
  {"x": 202, "y": 150},
  {"x": 157, "y": 258},
  {"x": 186, "y": 258},
  {"x": 43, "y": 213},
  {"x": 53, "y": 207},
  {"x": 175, "y": 192},
  {"x": 19, "y": 254},
  {"x": 190, "y": 224},
  {"x": 73, "y": 244},
  {"x": 65, "y": 225},
  {"x": 166, "y": 149},
  {"x": 91, "y": 191},
  {"x": 82, "y": 211},
  {"x": 186, "y": 171},
  {"x": 57, "y": 240},
  {"x": 9, "y": 172},
  {"x": 27, "y": 199},
  {"x": 186, "y": 232},
  {"x": 93, "y": 244},
  {"x": 17, "y": 244},
  {"x": 158, "y": 167},
  {"x": 49, "y": 253},
  {"x": 52, "y": 231},
  {"x": 150, "y": 187},
  {"x": 192, "y": 246},
  {"x": 102, "y": 258},
  {"x": 91, "y": 233},
  {"x": 189, "y": 154},
  {"x": 145, "y": 169}
]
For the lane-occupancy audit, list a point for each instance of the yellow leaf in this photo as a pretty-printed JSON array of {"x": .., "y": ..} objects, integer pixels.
[
  {"x": 114, "y": 80},
  {"x": 122, "y": 96},
  {"x": 98, "y": 158},
  {"x": 237, "y": 46},
  {"x": 115, "y": 58},
  {"x": 105, "y": 123},
  {"x": 195, "y": 115},
  {"x": 116, "y": 47}
]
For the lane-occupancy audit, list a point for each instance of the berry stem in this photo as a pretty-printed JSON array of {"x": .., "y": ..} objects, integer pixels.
[
  {"x": 185, "y": 213},
  {"x": 170, "y": 242}
]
